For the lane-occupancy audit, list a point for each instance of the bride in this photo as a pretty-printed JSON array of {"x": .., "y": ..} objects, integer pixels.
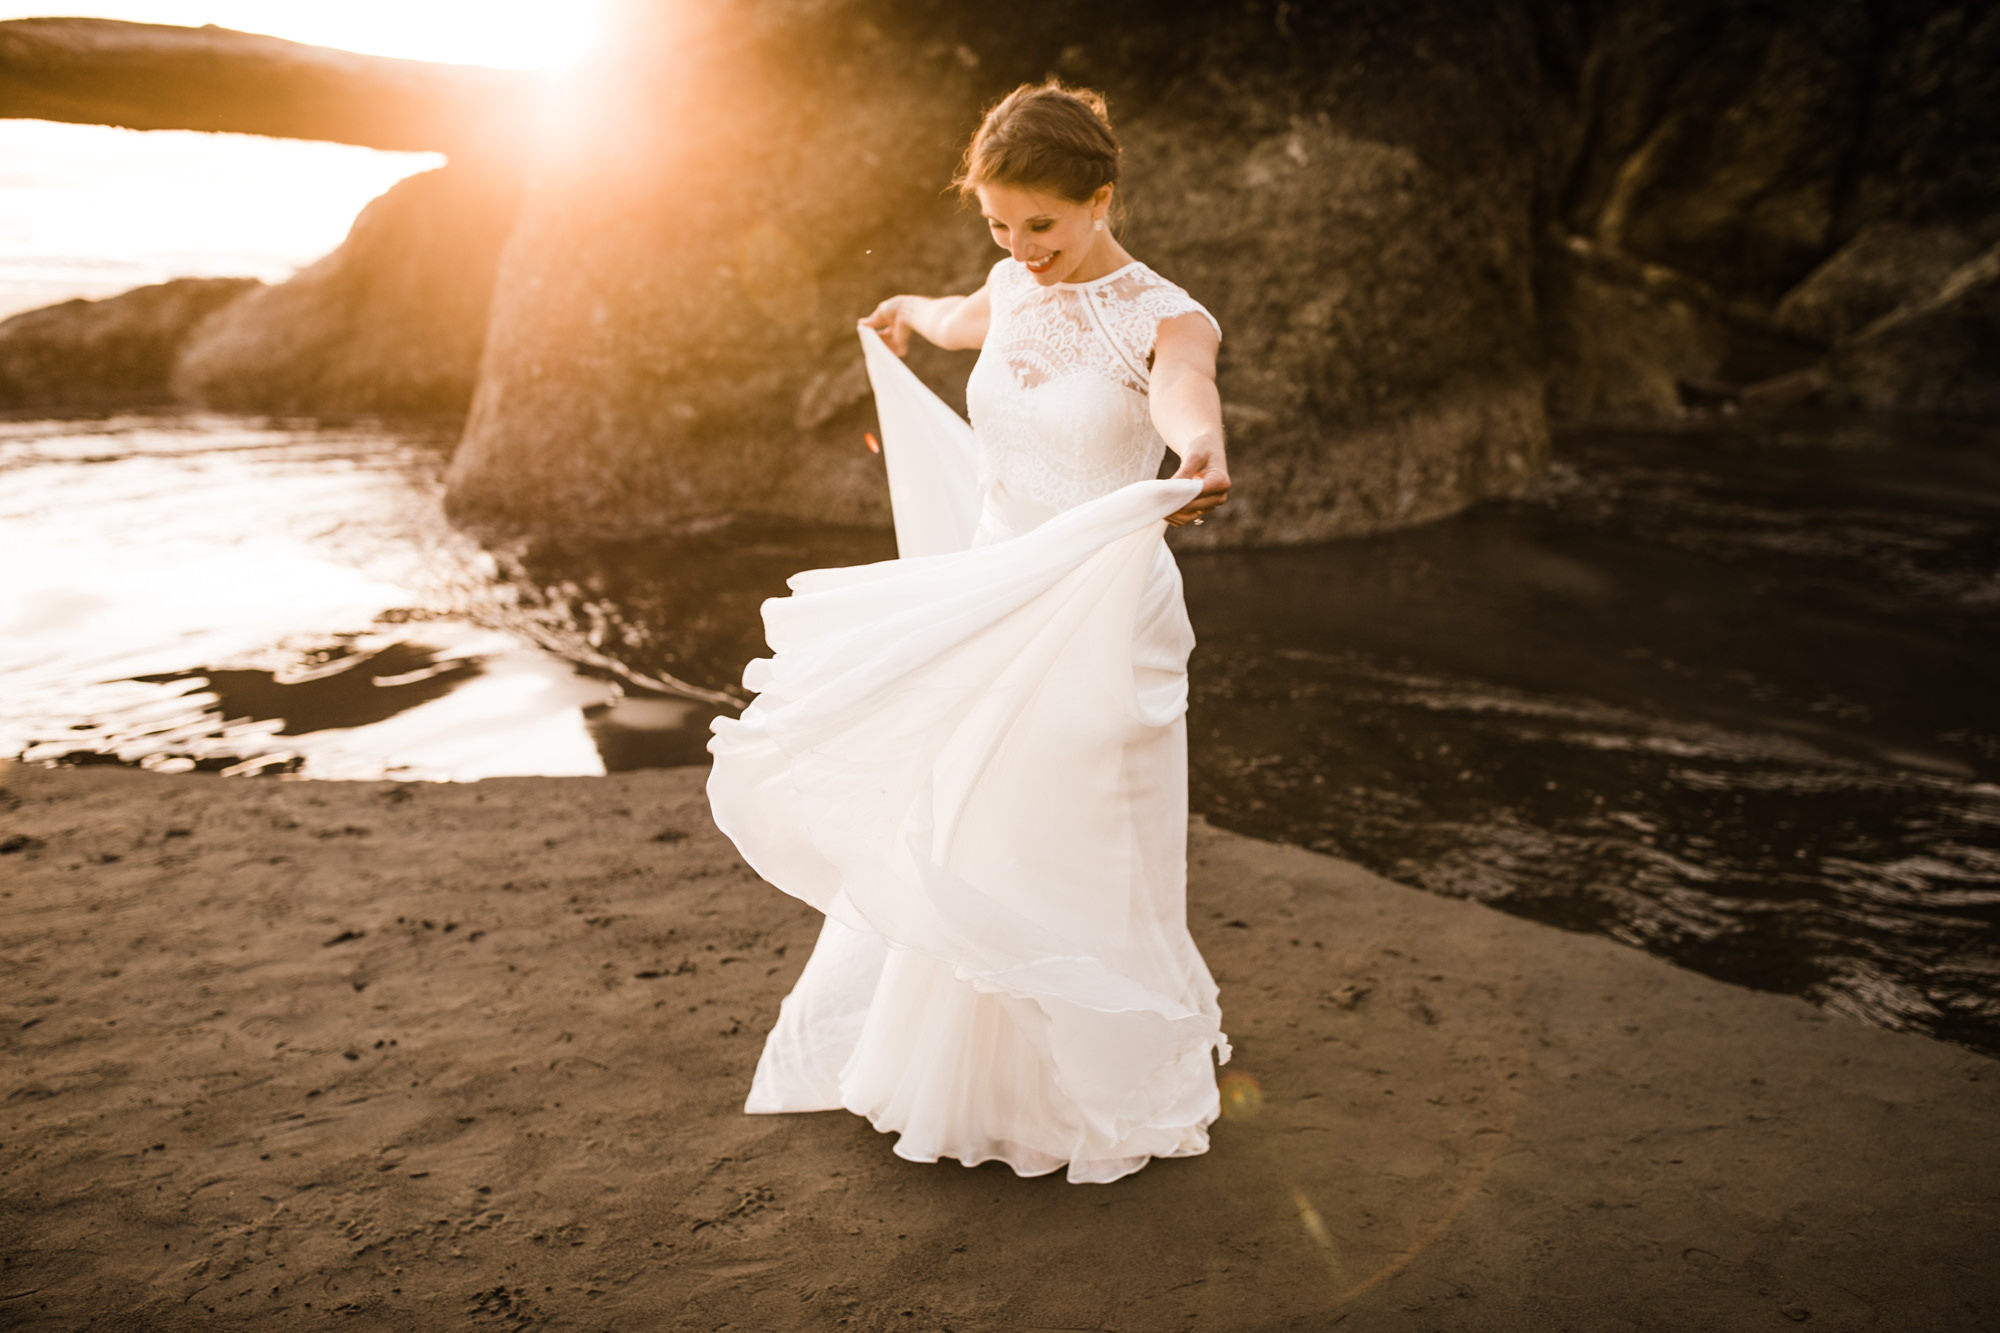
[{"x": 973, "y": 758}]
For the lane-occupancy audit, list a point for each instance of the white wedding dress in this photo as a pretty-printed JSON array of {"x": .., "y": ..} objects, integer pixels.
[{"x": 973, "y": 760}]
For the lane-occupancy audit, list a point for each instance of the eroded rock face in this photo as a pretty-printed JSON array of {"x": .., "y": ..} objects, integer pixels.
[
  {"x": 1829, "y": 149},
  {"x": 1939, "y": 354},
  {"x": 393, "y": 321},
  {"x": 1729, "y": 170},
  {"x": 1889, "y": 264},
  {"x": 1928, "y": 148},
  {"x": 1623, "y": 337},
  {"x": 1379, "y": 361},
  {"x": 118, "y": 352},
  {"x": 1743, "y": 144},
  {"x": 672, "y": 337}
]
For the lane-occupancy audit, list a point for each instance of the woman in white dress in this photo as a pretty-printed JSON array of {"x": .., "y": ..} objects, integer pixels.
[{"x": 973, "y": 758}]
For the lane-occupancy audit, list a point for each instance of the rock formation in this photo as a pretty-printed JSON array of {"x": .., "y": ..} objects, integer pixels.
[
  {"x": 682, "y": 285},
  {"x": 1884, "y": 266},
  {"x": 673, "y": 342},
  {"x": 394, "y": 320},
  {"x": 1939, "y": 353},
  {"x": 391, "y": 322},
  {"x": 1714, "y": 135},
  {"x": 1422, "y": 225},
  {"x": 1845, "y": 153},
  {"x": 118, "y": 352},
  {"x": 1623, "y": 337},
  {"x": 1420, "y": 229},
  {"x": 147, "y": 76}
]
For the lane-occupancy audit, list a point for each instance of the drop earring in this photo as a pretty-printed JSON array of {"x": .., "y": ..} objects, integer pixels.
[{"x": 1100, "y": 224}]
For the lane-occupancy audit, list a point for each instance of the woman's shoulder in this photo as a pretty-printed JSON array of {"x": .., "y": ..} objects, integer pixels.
[
  {"x": 1152, "y": 298},
  {"x": 1006, "y": 279}
]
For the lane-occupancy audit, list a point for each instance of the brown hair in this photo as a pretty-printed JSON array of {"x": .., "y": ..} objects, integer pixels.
[{"x": 1044, "y": 136}]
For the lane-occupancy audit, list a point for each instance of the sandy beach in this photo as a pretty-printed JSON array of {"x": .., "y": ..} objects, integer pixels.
[
  {"x": 411, "y": 1056},
  {"x": 1601, "y": 624}
]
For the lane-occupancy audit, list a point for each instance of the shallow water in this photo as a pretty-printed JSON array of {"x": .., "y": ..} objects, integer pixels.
[{"x": 1720, "y": 691}]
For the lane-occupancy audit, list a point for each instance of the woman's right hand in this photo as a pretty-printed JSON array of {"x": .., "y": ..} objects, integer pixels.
[
  {"x": 891, "y": 320},
  {"x": 952, "y": 322}
]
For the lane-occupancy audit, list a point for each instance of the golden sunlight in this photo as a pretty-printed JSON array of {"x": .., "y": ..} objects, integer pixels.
[
  {"x": 91, "y": 210},
  {"x": 510, "y": 34}
]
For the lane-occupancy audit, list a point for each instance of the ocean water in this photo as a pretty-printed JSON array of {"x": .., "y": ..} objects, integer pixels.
[
  {"x": 1722, "y": 691},
  {"x": 201, "y": 593},
  {"x": 91, "y": 211}
]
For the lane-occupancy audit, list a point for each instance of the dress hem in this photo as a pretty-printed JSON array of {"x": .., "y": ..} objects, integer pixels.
[{"x": 975, "y": 1157}]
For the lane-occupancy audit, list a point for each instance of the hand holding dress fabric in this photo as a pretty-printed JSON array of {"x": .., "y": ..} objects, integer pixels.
[
  {"x": 890, "y": 321},
  {"x": 948, "y": 321}
]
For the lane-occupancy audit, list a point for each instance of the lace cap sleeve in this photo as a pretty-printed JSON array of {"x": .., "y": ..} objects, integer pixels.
[
  {"x": 1142, "y": 300},
  {"x": 1132, "y": 304},
  {"x": 1166, "y": 301}
]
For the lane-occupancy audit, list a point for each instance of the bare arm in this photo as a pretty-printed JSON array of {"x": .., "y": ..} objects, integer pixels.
[
  {"x": 1187, "y": 409},
  {"x": 952, "y": 322}
]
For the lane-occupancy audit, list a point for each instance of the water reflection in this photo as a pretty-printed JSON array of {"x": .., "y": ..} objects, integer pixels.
[
  {"x": 649, "y": 733},
  {"x": 205, "y": 593},
  {"x": 683, "y": 606},
  {"x": 1722, "y": 692},
  {"x": 334, "y": 687}
]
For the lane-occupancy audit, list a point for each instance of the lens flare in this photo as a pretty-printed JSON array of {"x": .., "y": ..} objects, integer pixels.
[
  {"x": 1241, "y": 1096},
  {"x": 1315, "y": 1226}
]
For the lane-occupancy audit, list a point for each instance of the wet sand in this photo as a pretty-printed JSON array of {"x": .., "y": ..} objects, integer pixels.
[{"x": 375, "y": 1055}]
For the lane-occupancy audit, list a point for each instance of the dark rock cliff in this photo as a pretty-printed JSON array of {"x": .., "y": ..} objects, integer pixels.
[
  {"x": 1351, "y": 192},
  {"x": 1936, "y": 353},
  {"x": 1732, "y": 149},
  {"x": 672, "y": 330},
  {"x": 1421, "y": 226}
]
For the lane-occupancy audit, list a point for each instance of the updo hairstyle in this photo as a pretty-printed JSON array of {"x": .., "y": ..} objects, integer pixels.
[{"x": 1047, "y": 138}]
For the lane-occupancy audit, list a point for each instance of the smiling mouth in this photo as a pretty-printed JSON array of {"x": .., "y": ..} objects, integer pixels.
[{"x": 1041, "y": 265}]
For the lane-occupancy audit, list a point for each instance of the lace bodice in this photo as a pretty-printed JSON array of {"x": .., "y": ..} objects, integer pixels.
[{"x": 1058, "y": 398}]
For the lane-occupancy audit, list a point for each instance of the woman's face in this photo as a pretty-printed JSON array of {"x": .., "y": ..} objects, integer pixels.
[{"x": 1050, "y": 235}]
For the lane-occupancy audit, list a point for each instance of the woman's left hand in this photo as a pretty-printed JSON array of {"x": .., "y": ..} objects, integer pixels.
[{"x": 1203, "y": 459}]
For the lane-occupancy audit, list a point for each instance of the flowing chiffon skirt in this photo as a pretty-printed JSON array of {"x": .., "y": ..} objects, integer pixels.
[{"x": 972, "y": 759}]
